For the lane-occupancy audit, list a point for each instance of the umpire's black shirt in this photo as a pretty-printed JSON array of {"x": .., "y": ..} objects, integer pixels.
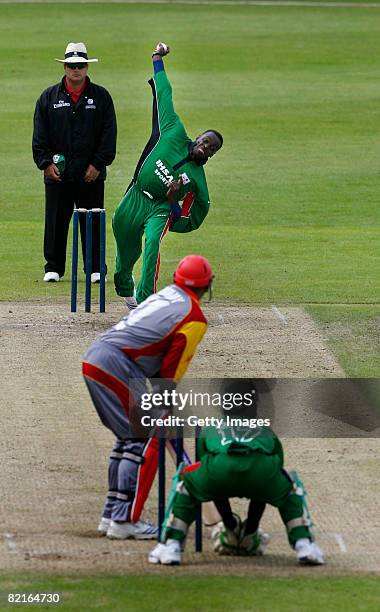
[{"x": 85, "y": 132}]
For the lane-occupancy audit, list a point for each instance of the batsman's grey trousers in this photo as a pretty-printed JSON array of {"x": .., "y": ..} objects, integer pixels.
[{"x": 128, "y": 453}]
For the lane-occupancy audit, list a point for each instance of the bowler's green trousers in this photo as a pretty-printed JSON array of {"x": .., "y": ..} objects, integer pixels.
[{"x": 138, "y": 214}]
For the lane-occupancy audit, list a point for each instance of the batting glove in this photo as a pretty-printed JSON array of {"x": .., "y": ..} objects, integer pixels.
[{"x": 161, "y": 49}]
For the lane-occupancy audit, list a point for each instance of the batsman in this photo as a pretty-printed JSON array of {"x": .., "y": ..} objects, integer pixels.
[
  {"x": 170, "y": 170},
  {"x": 157, "y": 341},
  {"x": 237, "y": 461}
]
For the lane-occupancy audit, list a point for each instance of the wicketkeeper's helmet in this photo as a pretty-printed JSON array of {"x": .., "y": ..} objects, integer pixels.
[{"x": 193, "y": 271}]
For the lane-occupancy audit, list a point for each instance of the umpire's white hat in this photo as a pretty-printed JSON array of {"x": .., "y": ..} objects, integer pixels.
[{"x": 75, "y": 54}]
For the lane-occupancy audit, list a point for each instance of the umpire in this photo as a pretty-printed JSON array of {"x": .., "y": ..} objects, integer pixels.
[{"x": 74, "y": 139}]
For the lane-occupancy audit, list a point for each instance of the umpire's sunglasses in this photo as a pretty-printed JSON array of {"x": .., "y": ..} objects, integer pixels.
[{"x": 79, "y": 66}]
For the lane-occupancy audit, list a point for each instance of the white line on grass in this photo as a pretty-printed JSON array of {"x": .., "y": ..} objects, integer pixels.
[
  {"x": 340, "y": 541},
  {"x": 280, "y": 315}
]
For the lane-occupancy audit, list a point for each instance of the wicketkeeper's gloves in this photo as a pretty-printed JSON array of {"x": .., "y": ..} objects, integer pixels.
[
  {"x": 226, "y": 541},
  {"x": 161, "y": 49}
]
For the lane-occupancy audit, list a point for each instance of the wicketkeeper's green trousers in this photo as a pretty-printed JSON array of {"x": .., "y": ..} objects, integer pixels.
[
  {"x": 256, "y": 476},
  {"x": 136, "y": 215}
]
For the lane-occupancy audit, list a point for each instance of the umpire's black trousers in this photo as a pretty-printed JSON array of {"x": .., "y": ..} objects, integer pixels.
[{"x": 60, "y": 199}]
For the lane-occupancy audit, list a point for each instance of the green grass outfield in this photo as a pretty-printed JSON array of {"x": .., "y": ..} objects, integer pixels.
[
  {"x": 354, "y": 336},
  {"x": 191, "y": 593},
  {"x": 295, "y": 91}
]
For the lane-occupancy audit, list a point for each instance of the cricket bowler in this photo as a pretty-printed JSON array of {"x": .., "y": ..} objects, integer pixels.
[{"x": 170, "y": 170}]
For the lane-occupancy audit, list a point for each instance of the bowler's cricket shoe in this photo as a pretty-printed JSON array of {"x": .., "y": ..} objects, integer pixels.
[
  {"x": 132, "y": 531},
  {"x": 131, "y": 302},
  {"x": 308, "y": 553},
  {"x": 104, "y": 525},
  {"x": 166, "y": 554},
  {"x": 253, "y": 544}
]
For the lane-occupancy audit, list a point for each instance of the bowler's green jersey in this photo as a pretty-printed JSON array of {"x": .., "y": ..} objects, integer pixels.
[
  {"x": 144, "y": 210},
  {"x": 169, "y": 159}
]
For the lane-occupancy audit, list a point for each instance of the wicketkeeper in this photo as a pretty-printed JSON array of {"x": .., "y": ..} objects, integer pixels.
[
  {"x": 170, "y": 170},
  {"x": 237, "y": 462}
]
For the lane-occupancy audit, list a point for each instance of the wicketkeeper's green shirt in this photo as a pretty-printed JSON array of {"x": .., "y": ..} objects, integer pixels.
[{"x": 239, "y": 440}]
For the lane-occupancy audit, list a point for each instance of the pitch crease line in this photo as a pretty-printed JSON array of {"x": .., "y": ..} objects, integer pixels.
[
  {"x": 340, "y": 541},
  {"x": 10, "y": 542},
  {"x": 10, "y": 325},
  {"x": 279, "y": 314}
]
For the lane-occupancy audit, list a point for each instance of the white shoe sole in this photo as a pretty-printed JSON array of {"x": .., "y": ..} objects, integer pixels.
[
  {"x": 113, "y": 536},
  {"x": 128, "y": 533},
  {"x": 156, "y": 561},
  {"x": 156, "y": 558},
  {"x": 311, "y": 561}
]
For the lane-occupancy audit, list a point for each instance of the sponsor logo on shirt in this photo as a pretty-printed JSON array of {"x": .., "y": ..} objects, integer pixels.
[
  {"x": 185, "y": 178},
  {"x": 61, "y": 103},
  {"x": 163, "y": 173},
  {"x": 90, "y": 103}
]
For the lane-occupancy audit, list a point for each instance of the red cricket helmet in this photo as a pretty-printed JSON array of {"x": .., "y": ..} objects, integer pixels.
[{"x": 193, "y": 271}]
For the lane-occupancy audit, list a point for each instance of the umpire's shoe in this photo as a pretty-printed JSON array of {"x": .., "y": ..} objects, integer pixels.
[
  {"x": 132, "y": 531},
  {"x": 51, "y": 277}
]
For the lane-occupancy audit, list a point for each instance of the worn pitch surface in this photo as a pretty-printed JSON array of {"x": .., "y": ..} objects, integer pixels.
[{"x": 54, "y": 449}]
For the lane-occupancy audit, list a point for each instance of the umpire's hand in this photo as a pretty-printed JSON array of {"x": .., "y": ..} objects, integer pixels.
[
  {"x": 91, "y": 174},
  {"x": 53, "y": 173}
]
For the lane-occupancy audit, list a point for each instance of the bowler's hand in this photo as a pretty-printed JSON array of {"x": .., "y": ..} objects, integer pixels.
[
  {"x": 53, "y": 173},
  {"x": 91, "y": 174},
  {"x": 174, "y": 189},
  {"x": 161, "y": 50}
]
